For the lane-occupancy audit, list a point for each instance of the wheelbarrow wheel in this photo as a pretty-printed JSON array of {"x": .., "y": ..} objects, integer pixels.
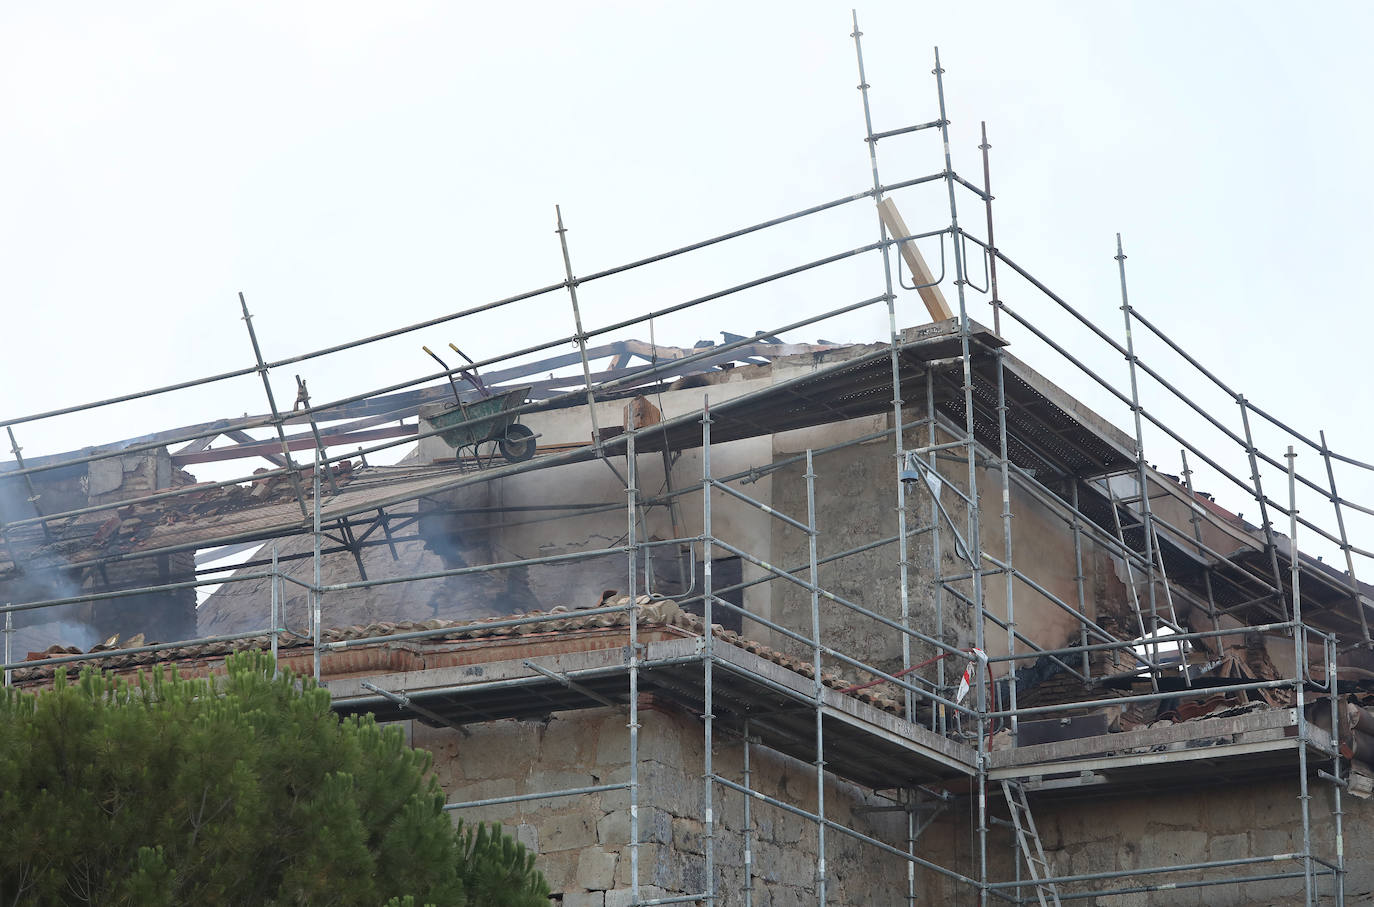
[{"x": 517, "y": 444}]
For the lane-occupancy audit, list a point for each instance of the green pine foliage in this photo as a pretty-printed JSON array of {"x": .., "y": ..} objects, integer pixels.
[{"x": 247, "y": 791}]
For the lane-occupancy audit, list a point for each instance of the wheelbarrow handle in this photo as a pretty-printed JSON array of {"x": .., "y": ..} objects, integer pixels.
[
  {"x": 453, "y": 384},
  {"x": 474, "y": 378}
]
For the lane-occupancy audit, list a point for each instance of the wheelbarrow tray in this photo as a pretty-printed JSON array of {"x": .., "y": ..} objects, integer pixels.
[{"x": 467, "y": 424}]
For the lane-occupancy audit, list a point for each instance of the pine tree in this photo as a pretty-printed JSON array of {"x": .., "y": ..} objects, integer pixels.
[{"x": 248, "y": 790}]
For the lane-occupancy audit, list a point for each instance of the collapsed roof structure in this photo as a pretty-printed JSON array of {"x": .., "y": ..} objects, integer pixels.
[{"x": 917, "y": 569}]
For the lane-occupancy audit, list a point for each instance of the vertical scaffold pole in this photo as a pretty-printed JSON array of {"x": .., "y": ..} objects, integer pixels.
[
  {"x": 292, "y": 469},
  {"x": 632, "y": 542},
  {"x": 34, "y": 496},
  {"x": 911, "y": 846},
  {"x": 748, "y": 824},
  {"x": 1142, "y": 474},
  {"x": 1258, "y": 489},
  {"x": 818, "y": 684},
  {"x": 991, "y": 251},
  {"x": 276, "y": 608},
  {"x": 1008, "y": 573},
  {"x": 937, "y": 586},
  {"x": 316, "y": 611},
  {"x": 577, "y": 321},
  {"x": 1078, "y": 579},
  {"x": 1197, "y": 535},
  {"x": 1337, "y": 812},
  {"x": 9, "y": 646},
  {"x": 894, "y": 340},
  {"x": 974, "y": 517},
  {"x": 708, "y": 653},
  {"x": 1299, "y": 686},
  {"x": 1345, "y": 541}
]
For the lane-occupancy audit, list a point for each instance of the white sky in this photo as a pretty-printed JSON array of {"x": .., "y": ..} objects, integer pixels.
[{"x": 353, "y": 167}]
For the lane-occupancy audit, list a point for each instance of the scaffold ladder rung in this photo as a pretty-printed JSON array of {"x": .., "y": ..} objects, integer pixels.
[{"x": 1028, "y": 840}]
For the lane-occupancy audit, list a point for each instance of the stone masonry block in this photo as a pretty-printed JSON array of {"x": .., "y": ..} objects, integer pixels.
[
  {"x": 567, "y": 832},
  {"x": 1228, "y": 847},
  {"x": 495, "y": 748},
  {"x": 596, "y": 870},
  {"x": 621, "y": 896},
  {"x": 1174, "y": 845}
]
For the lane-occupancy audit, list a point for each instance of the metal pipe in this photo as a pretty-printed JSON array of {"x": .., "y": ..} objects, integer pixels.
[
  {"x": 1287, "y": 626},
  {"x": 316, "y": 612},
  {"x": 1345, "y": 542},
  {"x": 1078, "y": 579},
  {"x": 844, "y": 830},
  {"x": 638, "y": 376},
  {"x": 992, "y": 243},
  {"x": 875, "y": 136},
  {"x": 911, "y": 833},
  {"x": 1035, "y": 650},
  {"x": 28, "y": 481},
  {"x": 1169, "y": 386},
  {"x": 1300, "y": 662},
  {"x": 542, "y": 795},
  {"x": 969, "y": 186},
  {"x": 708, "y": 653},
  {"x": 818, "y": 684},
  {"x": 127, "y": 593},
  {"x": 748, "y": 824},
  {"x": 632, "y": 539},
  {"x": 1006, "y": 534},
  {"x": 485, "y": 307},
  {"x": 1258, "y": 491},
  {"x": 479, "y": 568},
  {"x": 937, "y": 565},
  {"x": 974, "y": 516},
  {"x": 1153, "y": 661},
  {"x": 293, "y": 469},
  {"x": 677, "y": 899},
  {"x": 579, "y": 337},
  {"x": 1196, "y": 522},
  {"x": 759, "y": 505},
  {"x": 899, "y": 441},
  {"x": 1240, "y": 483},
  {"x": 276, "y": 614},
  {"x": 1150, "y": 870},
  {"x": 1172, "y": 886},
  {"x": 831, "y": 596},
  {"x": 542, "y": 462},
  {"x": 1142, "y": 697},
  {"x": 1141, "y": 475}
]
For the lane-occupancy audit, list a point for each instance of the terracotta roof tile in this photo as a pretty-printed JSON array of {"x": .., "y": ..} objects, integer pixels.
[{"x": 652, "y": 612}]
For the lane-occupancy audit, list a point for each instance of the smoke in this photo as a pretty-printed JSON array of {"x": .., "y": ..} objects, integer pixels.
[
  {"x": 39, "y": 575},
  {"x": 40, "y": 637}
]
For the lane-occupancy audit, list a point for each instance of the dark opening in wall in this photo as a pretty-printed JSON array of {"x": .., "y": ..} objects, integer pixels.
[{"x": 673, "y": 577}]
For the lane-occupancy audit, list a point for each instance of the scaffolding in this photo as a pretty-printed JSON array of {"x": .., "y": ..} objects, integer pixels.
[{"x": 975, "y": 415}]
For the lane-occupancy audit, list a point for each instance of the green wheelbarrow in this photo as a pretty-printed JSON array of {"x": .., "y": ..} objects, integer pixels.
[{"x": 486, "y": 420}]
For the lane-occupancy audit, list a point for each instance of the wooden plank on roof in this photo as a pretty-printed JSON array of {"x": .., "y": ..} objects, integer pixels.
[{"x": 920, "y": 272}]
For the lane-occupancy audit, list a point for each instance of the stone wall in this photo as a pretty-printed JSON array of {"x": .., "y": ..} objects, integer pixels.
[
  {"x": 581, "y": 840},
  {"x": 1112, "y": 833},
  {"x": 856, "y": 507}
]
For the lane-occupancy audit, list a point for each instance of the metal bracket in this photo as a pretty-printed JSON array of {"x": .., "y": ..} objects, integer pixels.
[
  {"x": 405, "y": 702},
  {"x": 571, "y": 684}
]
